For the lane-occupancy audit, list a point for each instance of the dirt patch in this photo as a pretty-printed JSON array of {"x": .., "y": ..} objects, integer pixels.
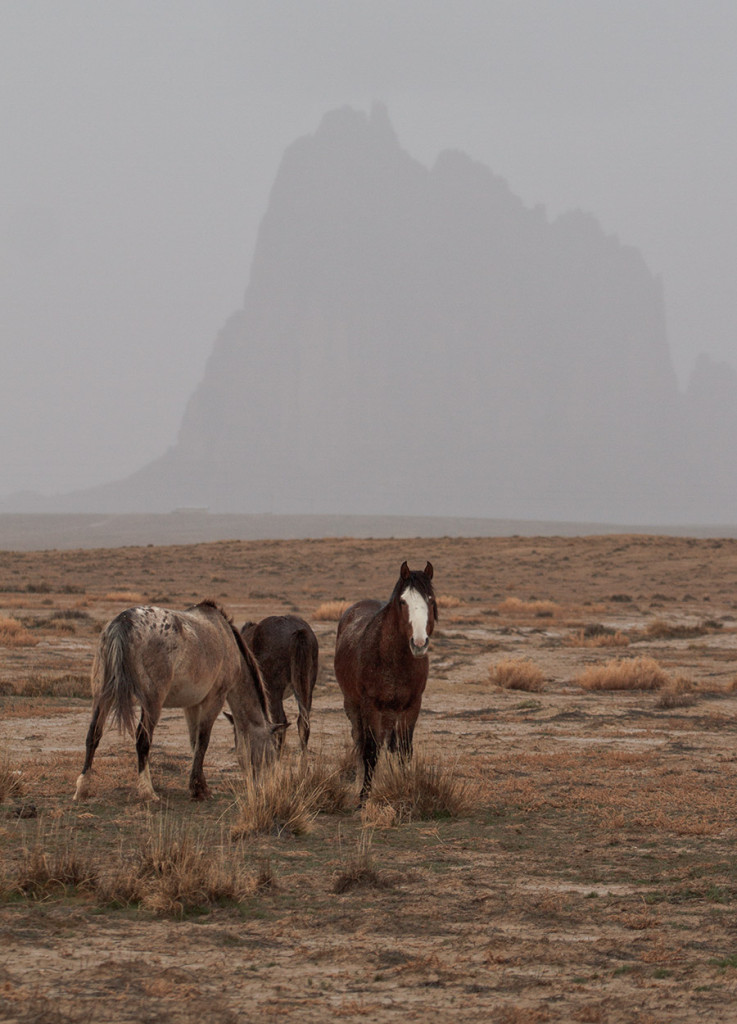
[{"x": 594, "y": 881}]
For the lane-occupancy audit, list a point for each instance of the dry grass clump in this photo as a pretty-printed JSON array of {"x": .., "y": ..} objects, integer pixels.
[
  {"x": 54, "y": 866},
  {"x": 421, "y": 789},
  {"x": 14, "y": 634},
  {"x": 661, "y": 629},
  {"x": 360, "y": 870},
  {"x": 178, "y": 869},
  {"x": 285, "y": 797},
  {"x": 449, "y": 601},
  {"x": 679, "y": 693},
  {"x": 42, "y": 684},
  {"x": 597, "y": 635},
  {"x": 534, "y": 608},
  {"x": 330, "y": 611},
  {"x": 625, "y": 674},
  {"x": 10, "y": 784},
  {"x": 517, "y": 674}
]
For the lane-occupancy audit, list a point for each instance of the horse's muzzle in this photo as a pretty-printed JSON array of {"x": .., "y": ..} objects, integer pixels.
[{"x": 419, "y": 650}]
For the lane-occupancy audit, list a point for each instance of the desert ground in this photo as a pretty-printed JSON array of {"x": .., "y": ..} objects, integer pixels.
[{"x": 588, "y": 873}]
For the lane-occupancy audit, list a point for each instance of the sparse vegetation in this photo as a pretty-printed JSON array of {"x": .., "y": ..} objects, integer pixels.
[{"x": 515, "y": 606}]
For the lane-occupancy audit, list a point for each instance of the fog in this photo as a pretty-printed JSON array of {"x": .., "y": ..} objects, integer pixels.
[{"x": 140, "y": 142}]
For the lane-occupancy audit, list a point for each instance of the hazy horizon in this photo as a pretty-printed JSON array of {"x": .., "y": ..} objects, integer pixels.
[{"x": 141, "y": 144}]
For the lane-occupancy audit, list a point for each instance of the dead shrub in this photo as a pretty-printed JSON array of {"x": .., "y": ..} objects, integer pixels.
[
  {"x": 285, "y": 797},
  {"x": 641, "y": 673},
  {"x": 517, "y": 674},
  {"x": 449, "y": 601},
  {"x": 330, "y": 611},
  {"x": 421, "y": 789},
  {"x": 14, "y": 634}
]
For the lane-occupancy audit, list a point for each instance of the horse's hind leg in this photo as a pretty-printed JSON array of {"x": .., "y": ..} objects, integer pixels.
[
  {"x": 94, "y": 735},
  {"x": 144, "y": 735}
]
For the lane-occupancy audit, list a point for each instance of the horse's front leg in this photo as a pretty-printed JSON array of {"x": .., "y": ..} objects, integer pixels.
[
  {"x": 403, "y": 733},
  {"x": 370, "y": 755},
  {"x": 204, "y": 715}
]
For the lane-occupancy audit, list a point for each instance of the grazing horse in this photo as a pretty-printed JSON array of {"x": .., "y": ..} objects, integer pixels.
[
  {"x": 381, "y": 665},
  {"x": 194, "y": 660},
  {"x": 286, "y": 650}
]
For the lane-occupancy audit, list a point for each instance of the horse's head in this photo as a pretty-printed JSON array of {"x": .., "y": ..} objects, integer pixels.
[{"x": 418, "y": 607}]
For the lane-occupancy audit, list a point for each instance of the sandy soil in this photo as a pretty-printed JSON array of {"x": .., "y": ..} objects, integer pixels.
[{"x": 594, "y": 881}]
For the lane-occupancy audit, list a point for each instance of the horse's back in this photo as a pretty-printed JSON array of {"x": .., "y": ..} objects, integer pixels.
[{"x": 276, "y": 641}]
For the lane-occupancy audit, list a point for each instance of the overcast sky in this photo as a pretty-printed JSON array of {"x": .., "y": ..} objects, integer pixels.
[{"x": 139, "y": 142}]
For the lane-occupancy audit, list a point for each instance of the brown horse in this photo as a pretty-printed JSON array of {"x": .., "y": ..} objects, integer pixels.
[
  {"x": 381, "y": 665},
  {"x": 194, "y": 660},
  {"x": 286, "y": 650}
]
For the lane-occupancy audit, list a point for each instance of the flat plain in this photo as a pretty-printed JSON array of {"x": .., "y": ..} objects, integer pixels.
[{"x": 592, "y": 878}]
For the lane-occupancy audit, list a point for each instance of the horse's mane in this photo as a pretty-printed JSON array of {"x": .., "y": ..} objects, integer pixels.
[
  {"x": 246, "y": 652},
  {"x": 417, "y": 580}
]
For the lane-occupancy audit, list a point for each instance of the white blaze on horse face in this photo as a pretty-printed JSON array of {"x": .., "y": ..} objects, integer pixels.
[{"x": 419, "y": 615}]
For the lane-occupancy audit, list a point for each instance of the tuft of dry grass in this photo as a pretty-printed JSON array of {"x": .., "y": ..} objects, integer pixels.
[
  {"x": 42, "y": 684},
  {"x": 54, "y": 866},
  {"x": 641, "y": 673},
  {"x": 10, "y": 784},
  {"x": 360, "y": 870},
  {"x": 677, "y": 694},
  {"x": 14, "y": 634},
  {"x": 661, "y": 629},
  {"x": 330, "y": 611},
  {"x": 449, "y": 601},
  {"x": 596, "y": 635},
  {"x": 421, "y": 789},
  {"x": 285, "y": 797},
  {"x": 517, "y": 674},
  {"x": 179, "y": 868},
  {"x": 534, "y": 608}
]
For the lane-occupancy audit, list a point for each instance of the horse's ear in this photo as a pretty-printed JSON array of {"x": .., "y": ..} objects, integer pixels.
[
  {"x": 404, "y": 571},
  {"x": 428, "y": 570}
]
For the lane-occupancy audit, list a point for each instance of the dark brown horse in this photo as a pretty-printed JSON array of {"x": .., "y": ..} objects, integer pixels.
[
  {"x": 381, "y": 665},
  {"x": 194, "y": 660},
  {"x": 286, "y": 650}
]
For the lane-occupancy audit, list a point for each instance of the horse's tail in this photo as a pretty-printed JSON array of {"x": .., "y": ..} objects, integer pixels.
[
  {"x": 119, "y": 687},
  {"x": 303, "y": 667}
]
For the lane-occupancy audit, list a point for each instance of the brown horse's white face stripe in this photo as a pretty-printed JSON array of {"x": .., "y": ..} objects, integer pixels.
[{"x": 420, "y": 618}]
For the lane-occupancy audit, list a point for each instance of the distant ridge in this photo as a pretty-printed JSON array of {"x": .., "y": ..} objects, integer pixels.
[
  {"x": 38, "y": 532},
  {"x": 416, "y": 341}
]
